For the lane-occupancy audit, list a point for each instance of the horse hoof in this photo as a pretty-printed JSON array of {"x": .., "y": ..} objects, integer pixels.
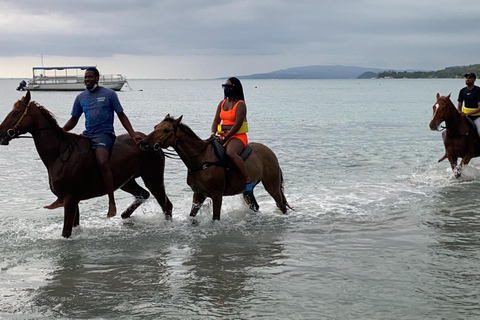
[{"x": 168, "y": 217}]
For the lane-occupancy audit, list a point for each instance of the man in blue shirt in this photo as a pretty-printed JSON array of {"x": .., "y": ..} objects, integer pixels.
[{"x": 99, "y": 104}]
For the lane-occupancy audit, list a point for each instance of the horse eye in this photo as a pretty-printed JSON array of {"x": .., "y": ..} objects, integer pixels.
[
  {"x": 166, "y": 130},
  {"x": 16, "y": 113}
]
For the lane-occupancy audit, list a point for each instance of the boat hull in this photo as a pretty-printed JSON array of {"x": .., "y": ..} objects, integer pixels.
[{"x": 116, "y": 86}]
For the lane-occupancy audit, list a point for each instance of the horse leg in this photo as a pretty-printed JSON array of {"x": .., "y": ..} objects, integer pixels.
[
  {"x": 453, "y": 164},
  {"x": 197, "y": 202},
  {"x": 275, "y": 189},
  {"x": 465, "y": 160},
  {"x": 157, "y": 188},
  {"x": 70, "y": 216},
  {"x": 217, "y": 206},
  {"x": 251, "y": 201},
  {"x": 457, "y": 171},
  {"x": 140, "y": 194},
  {"x": 76, "y": 221}
]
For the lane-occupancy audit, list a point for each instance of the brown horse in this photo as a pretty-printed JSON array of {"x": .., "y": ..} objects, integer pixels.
[
  {"x": 209, "y": 177},
  {"x": 459, "y": 137},
  {"x": 73, "y": 173}
]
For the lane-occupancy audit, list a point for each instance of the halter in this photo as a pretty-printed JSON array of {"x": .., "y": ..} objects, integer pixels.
[
  {"x": 13, "y": 132},
  {"x": 156, "y": 147}
]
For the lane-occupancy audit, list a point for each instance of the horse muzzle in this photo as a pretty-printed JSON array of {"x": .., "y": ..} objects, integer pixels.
[
  {"x": 434, "y": 126},
  {"x": 157, "y": 147},
  {"x": 4, "y": 140},
  {"x": 145, "y": 146}
]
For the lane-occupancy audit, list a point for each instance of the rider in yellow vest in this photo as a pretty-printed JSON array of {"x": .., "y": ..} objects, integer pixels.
[{"x": 469, "y": 100}]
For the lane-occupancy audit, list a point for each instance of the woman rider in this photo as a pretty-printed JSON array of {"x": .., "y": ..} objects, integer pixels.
[{"x": 231, "y": 124}]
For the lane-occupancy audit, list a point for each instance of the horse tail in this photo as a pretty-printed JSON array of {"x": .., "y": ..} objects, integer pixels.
[{"x": 284, "y": 199}]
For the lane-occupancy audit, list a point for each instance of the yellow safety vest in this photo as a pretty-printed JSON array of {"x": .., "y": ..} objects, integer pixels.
[
  {"x": 467, "y": 110},
  {"x": 243, "y": 128}
]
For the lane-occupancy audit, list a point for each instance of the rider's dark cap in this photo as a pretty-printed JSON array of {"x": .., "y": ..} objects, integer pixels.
[{"x": 470, "y": 75}]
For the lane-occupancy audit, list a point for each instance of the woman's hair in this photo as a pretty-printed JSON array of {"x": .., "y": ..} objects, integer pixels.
[{"x": 237, "y": 89}]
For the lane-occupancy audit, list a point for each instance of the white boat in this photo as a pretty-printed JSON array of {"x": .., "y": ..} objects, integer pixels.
[{"x": 68, "y": 79}]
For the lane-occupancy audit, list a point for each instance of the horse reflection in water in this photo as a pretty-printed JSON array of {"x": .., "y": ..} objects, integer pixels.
[
  {"x": 73, "y": 173},
  {"x": 460, "y": 136},
  {"x": 210, "y": 177}
]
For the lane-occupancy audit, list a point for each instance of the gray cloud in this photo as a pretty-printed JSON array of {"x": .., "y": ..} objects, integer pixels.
[{"x": 397, "y": 34}]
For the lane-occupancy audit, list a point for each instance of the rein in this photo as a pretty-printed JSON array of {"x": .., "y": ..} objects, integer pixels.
[
  {"x": 13, "y": 132},
  {"x": 172, "y": 155}
]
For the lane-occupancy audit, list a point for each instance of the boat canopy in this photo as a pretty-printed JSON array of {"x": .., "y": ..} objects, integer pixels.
[{"x": 63, "y": 68}]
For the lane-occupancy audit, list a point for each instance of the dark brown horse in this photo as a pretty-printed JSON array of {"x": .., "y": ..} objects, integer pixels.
[
  {"x": 459, "y": 136},
  {"x": 73, "y": 173},
  {"x": 209, "y": 177}
]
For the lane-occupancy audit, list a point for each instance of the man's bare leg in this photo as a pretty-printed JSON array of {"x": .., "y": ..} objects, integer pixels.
[
  {"x": 56, "y": 204},
  {"x": 102, "y": 161}
]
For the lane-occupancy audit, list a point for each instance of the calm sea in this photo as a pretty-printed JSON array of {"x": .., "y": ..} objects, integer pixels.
[{"x": 380, "y": 229}]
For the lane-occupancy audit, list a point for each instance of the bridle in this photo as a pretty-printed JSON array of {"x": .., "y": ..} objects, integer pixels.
[
  {"x": 157, "y": 146},
  {"x": 12, "y": 133},
  {"x": 442, "y": 128}
]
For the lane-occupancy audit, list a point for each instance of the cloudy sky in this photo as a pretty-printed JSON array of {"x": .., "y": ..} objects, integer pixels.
[{"x": 216, "y": 38}]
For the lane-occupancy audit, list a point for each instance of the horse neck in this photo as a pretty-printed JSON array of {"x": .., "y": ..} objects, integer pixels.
[
  {"x": 48, "y": 138},
  {"x": 455, "y": 123},
  {"x": 191, "y": 150}
]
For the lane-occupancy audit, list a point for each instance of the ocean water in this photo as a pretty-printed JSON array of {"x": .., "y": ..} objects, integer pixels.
[{"x": 380, "y": 230}]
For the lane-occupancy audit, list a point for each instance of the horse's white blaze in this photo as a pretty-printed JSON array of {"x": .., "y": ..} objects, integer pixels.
[{"x": 436, "y": 109}]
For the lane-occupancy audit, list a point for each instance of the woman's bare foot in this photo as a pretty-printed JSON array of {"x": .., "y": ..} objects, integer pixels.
[{"x": 56, "y": 204}]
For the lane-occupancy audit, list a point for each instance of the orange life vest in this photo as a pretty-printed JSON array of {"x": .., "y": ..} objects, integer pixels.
[{"x": 228, "y": 118}]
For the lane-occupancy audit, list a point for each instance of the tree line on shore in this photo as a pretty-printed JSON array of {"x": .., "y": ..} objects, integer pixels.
[{"x": 450, "y": 72}]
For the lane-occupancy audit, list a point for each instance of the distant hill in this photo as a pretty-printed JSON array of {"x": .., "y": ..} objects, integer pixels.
[
  {"x": 350, "y": 72},
  {"x": 316, "y": 72}
]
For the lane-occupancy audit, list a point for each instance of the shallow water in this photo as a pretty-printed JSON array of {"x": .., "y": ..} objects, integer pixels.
[{"x": 380, "y": 229}]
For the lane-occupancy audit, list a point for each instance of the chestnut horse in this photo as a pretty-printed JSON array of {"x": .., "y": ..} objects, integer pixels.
[
  {"x": 459, "y": 137},
  {"x": 73, "y": 173},
  {"x": 209, "y": 177}
]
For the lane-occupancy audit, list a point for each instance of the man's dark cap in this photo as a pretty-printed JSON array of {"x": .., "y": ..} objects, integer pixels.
[{"x": 470, "y": 75}]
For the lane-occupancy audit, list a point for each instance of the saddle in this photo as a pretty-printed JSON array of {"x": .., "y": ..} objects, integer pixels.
[{"x": 223, "y": 161}]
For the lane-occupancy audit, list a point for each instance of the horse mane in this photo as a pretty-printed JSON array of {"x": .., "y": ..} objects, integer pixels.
[
  {"x": 47, "y": 114},
  {"x": 53, "y": 121},
  {"x": 186, "y": 129},
  {"x": 447, "y": 100}
]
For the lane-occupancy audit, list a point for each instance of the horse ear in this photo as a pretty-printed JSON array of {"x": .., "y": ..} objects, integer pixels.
[
  {"x": 448, "y": 97},
  {"x": 27, "y": 97},
  {"x": 438, "y": 95},
  {"x": 178, "y": 120},
  {"x": 167, "y": 116}
]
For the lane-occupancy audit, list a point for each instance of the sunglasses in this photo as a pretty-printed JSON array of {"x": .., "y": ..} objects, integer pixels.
[{"x": 227, "y": 86}]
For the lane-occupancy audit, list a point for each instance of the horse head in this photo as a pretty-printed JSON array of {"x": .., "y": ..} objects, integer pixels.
[
  {"x": 163, "y": 136},
  {"x": 443, "y": 110},
  {"x": 17, "y": 121}
]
